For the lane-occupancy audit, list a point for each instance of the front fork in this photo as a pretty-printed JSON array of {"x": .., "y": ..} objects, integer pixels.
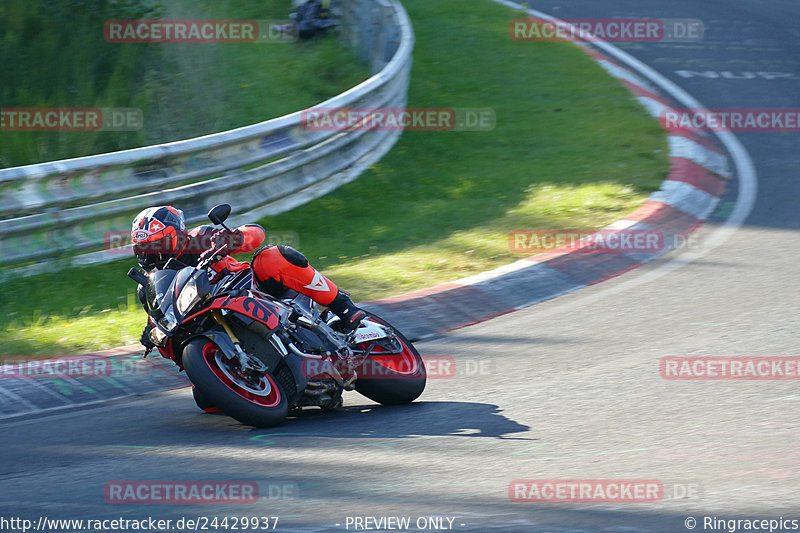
[{"x": 247, "y": 362}]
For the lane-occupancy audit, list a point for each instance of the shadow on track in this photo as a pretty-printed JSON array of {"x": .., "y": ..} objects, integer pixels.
[{"x": 421, "y": 419}]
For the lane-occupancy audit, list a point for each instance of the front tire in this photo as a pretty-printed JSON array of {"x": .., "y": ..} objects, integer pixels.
[
  {"x": 400, "y": 378},
  {"x": 202, "y": 402},
  {"x": 256, "y": 402}
]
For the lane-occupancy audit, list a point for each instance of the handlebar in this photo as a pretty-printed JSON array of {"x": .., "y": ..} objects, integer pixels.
[
  {"x": 137, "y": 276},
  {"x": 205, "y": 260}
]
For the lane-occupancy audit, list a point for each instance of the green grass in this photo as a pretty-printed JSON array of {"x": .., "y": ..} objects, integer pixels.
[
  {"x": 53, "y": 57},
  {"x": 198, "y": 89},
  {"x": 571, "y": 149}
]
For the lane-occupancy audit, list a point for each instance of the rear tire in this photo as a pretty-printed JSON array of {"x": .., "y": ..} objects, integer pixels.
[
  {"x": 401, "y": 378},
  {"x": 261, "y": 403}
]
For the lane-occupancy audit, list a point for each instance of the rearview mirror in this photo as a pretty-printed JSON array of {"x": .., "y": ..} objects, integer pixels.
[{"x": 219, "y": 214}]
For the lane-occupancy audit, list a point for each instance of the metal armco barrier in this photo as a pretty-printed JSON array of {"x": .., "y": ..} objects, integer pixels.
[{"x": 60, "y": 213}]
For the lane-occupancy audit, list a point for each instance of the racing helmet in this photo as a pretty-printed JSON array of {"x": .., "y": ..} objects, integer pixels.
[{"x": 158, "y": 234}]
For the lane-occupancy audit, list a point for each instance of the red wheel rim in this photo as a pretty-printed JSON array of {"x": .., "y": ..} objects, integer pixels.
[
  {"x": 402, "y": 363},
  {"x": 241, "y": 385}
]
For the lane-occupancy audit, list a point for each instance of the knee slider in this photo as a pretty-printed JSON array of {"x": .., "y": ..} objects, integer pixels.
[{"x": 293, "y": 256}]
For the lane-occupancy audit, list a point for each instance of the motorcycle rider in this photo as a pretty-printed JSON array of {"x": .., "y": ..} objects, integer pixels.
[{"x": 159, "y": 234}]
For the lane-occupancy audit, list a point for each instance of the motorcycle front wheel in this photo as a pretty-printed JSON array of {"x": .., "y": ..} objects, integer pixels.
[{"x": 258, "y": 402}]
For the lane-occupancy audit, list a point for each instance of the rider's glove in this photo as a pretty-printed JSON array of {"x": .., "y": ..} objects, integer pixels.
[
  {"x": 234, "y": 239},
  {"x": 140, "y": 292},
  {"x": 145, "y": 339}
]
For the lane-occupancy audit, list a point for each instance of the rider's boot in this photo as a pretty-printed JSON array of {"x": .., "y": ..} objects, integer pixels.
[{"x": 349, "y": 314}]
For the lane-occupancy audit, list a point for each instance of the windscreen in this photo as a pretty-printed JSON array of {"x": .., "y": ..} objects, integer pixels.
[{"x": 158, "y": 286}]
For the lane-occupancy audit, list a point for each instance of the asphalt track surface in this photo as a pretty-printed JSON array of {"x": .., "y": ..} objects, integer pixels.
[{"x": 573, "y": 390}]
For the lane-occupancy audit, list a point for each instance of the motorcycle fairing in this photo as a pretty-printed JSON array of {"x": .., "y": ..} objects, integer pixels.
[{"x": 252, "y": 307}]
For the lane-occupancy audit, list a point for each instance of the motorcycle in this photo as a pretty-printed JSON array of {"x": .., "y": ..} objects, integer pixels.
[{"x": 258, "y": 357}]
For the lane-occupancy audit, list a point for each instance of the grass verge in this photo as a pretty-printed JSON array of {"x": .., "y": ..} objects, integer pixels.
[
  {"x": 57, "y": 56},
  {"x": 571, "y": 149}
]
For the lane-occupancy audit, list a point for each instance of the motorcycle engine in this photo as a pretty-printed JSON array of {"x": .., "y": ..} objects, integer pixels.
[{"x": 310, "y": 342}]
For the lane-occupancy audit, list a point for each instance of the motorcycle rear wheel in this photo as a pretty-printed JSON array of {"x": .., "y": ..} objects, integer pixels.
[{"x": 398, "y": 379}]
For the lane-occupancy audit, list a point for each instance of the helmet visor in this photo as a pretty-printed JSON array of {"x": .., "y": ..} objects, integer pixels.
[{"x": 155, "y": 253}]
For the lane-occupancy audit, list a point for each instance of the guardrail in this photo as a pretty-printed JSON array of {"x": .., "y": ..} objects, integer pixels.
[{"x": 60, "y": 213}]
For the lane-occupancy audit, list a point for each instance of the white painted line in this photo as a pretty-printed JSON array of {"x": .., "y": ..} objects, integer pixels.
[
  {"x": 60, "y": 408},
  {"x": 15, "y": 399},
  {"x": 40, "y": 386}
]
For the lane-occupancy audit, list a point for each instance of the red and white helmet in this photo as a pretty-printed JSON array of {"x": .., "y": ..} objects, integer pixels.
[{"x": 158, "y": 233}]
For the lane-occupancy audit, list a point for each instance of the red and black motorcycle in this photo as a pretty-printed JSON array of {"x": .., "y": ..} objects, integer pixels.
[{"x": 256, "y": 357}]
